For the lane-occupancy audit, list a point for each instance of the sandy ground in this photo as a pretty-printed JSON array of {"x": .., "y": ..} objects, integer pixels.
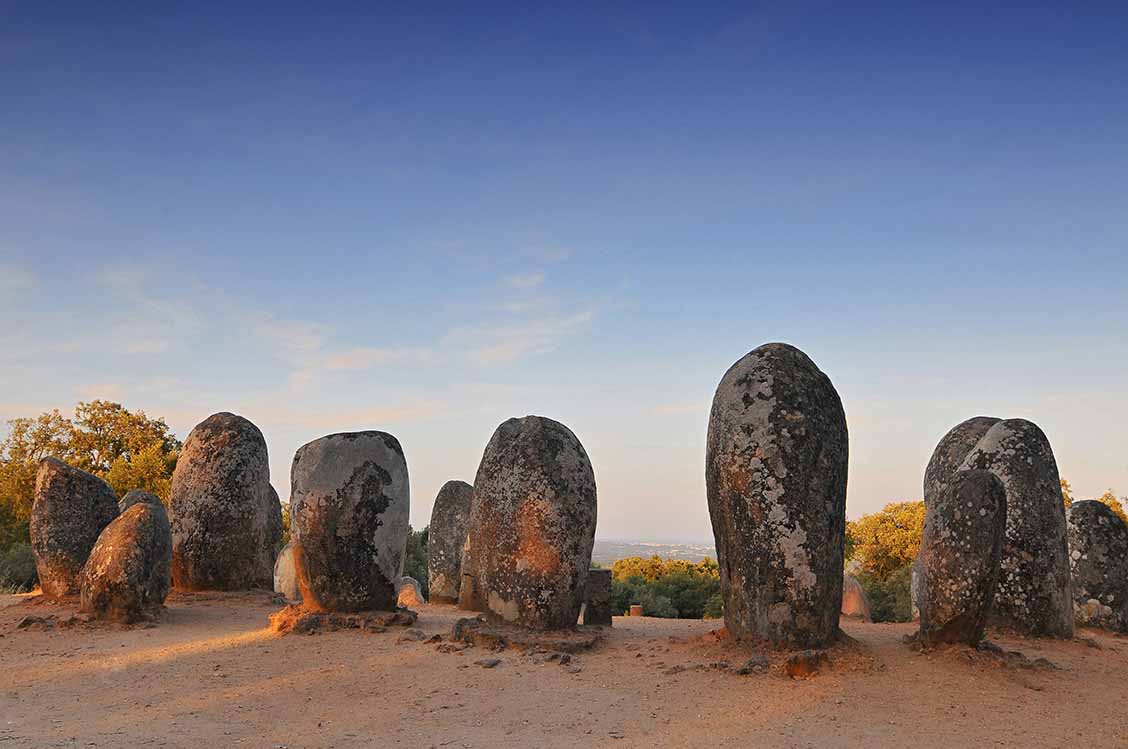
[{"x": 212, "y": 674}]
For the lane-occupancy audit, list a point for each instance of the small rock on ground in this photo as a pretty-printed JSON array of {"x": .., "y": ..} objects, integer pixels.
[
  {"x": 806, "y": 663},
  {"x": 755, "y": 665}
]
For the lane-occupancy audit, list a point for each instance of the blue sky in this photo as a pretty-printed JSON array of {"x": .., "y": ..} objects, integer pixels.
[{"x": 356, "y": 216}]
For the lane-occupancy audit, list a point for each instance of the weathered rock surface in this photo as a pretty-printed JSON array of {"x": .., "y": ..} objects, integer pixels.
[
  {"x": 597, "y": 607},
  {"x": 855, "y": 602},
  {"x": 951, "y": 451},
  {"x": 408, "y": 593},
  {"x": 499, "y": 636},
  {"x": 915, "y": 579},
  {"x": 136, "y": 496},
  {"x": 532, "y": 526},
  {"x": 298, "y": 619},
  {"x": 1034, "y": 592},
  {"x": 70, "y": 509},
  {"x": 1098, "y": 558},
  {"x": 274, "y": 529},
  {"x": 285, "y": 576},
  {"x": 959, "y": 556},
  {"x": 349, "y": 503},
  {"x": 806, "y": 663},
  {"x": 775, "y": 472},
  {"x": 466, "y": 598},
  {"x": 127, "y": 575},
  {"x": 446, "y": 535},
  {"x": 225, "y": 516}
]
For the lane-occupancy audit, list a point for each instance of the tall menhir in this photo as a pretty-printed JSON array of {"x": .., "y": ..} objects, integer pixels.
[{"x": 775, "y": 473}]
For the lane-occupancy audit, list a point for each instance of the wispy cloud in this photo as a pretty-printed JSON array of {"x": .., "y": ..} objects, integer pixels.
[
  {"x": 525, "y": 280},
  {"x": 530, "y": 304},
  {"x": 291, "y": 339},
  {"x": 507, "y": 343},
  {"x": 366, "y": 357},
  {"x": 124, "y": 277},
  {"x": 15, "y": 278},
  {"x": 554, "y": 254},
  {"x": 140, "y": 337},
  {"x": 147, "y": 319}
]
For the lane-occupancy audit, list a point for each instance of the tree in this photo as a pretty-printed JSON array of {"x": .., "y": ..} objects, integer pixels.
[
  {"x": 126, "y": 448},
  {"x": 884, "y": 542},
  {"x": 28, "y": 442},
  {"x": 1109, "y": 499},
  {"x": 1066, "y": 492}
]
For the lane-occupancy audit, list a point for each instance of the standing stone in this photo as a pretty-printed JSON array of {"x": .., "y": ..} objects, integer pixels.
[
  {"x": 597, "y": 607},
  {"x": 349, "y": 504},
  {"x": 408, "y": 593},
  {"x": 959, "y": 556},
  {"x": 225, "y": 516},
  {"x": 532, "y": 526},
  {"x": 274, "y": 529},
  {"x": 446, "y": 535},
  {"x": 285, "y": 577},
  {"x": 1035, "y": 592},
  {"x": 775, "y": 472},
  {"x": 126, "y": 577},
  {"x": 467, "y": 599},
  {"x": 70, "y": 509},
  {"x": 855, "y": 602},
  {"x": 1098, "y": 557},
  {"x": 138, "y": 496}
]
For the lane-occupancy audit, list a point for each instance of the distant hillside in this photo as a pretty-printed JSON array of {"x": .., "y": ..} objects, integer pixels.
[{"x": 606, "y": 552}]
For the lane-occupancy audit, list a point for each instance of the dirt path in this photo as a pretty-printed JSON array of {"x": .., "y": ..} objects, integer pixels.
[{"x": 212, "y": 674}]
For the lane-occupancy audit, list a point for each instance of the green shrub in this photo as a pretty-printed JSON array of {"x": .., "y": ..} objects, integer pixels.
[
  {"x": 624, "y": 593},
  {"x": 715, "y": 607},
  {"x": 656, "y": 604},
  {"x": 687, "y": 592},
  {"x": 675, "y": 595},
  {"x": 17, "y": 568},
  {"x": 889, "y": 597}
]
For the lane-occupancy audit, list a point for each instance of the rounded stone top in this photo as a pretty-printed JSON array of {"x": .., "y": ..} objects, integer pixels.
[
  {"x": 535, "y": 438},
  {"x": 765, "y": 365},
  {"x": 454, "y": 486},
  {"x": 52, "y": 469},
  {"x": 954, "y": 447},
  {"x": 1012, "y": 437},
  {"x": 367, "y": 437},
  {"x": 218, "y": 424},
  {"x": 451, "y": 504},
  {"x": 780, "y": 354},
  {"x": 51, "y": 465},
  {"x": 1085, "y": 511},
  {"x": 138, "y": 496}
]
